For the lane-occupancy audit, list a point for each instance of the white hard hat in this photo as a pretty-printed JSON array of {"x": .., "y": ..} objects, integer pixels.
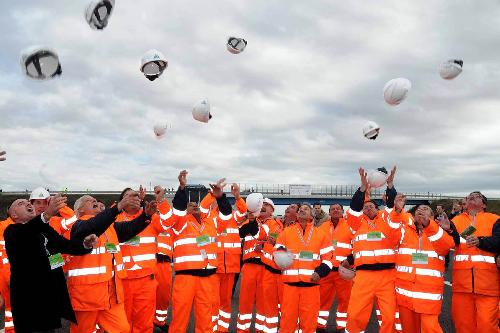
[
  {"x": 160, "y": 130},
  {"x": 377, "y": 178},
  {"x": 40, "y": 63},
  {"x": 371, "y": 130},
  {"x": 98, "y": 12},
  {"x": 268, "y": 201},
  {"x": 346, "y": 273},
  {"x": 451, "y": 69},
  {"x": 201, "y": 111},
  {"x": 283, "y": 259},
  {"x": 39, "y": 193},
  {"x": 236, "y": 45},
  {"x": 395, "y": 90},
  {"x": 153, "y": 63},
  {"x": 254, "y": 202}
]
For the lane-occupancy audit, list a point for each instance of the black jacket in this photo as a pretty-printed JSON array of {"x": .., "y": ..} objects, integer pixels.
[{"x": 39, "y": 297}]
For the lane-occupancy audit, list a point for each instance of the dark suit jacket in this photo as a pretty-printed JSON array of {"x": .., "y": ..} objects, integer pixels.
[{"x": 39, "y": 296}]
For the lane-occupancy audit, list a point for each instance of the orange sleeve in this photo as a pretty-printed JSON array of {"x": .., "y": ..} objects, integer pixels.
[
  {"x": 354, "y": 219},
  {"x": 206, "y": 203},
  {"x": 441, "y": 241}
]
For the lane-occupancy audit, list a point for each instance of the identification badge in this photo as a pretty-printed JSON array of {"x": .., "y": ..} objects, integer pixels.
[
  {"x": 374, "y": 236},
  {"x": 468, "y": 231},
  {"x": 305, "y": 256},
  {"x": 274, "y": 235},
  {"x": 134, "y": 241},
  {"x": 334, "y": 243},
  {"x": 202, "y": 240},
  {"x": 203, "y": 254},
  {"x": 224, "y": 232},
  {"x": 56, "y": 261},
  {"x": 419, "y": 258},
  {"x": 111, "y": 248}
]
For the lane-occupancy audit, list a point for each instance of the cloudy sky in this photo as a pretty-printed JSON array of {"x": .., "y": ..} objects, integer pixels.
[{"x": 289, "y": 109}]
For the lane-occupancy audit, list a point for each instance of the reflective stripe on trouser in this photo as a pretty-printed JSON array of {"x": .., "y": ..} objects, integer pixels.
[
  {"x": 163, "y": 292},
  {"x": 250, "y": 294},
  {"x": 215, "y": 302},
  {"x": 112, "y": 320},
  {"x": 397, "y": 321},
  {"x": 413, "y": 322},
  {"x": 330, "y": 286},
  {"x": 140, "y": 303},
  {"x": 192, "y": 291},
  {"x": 269, "y": 286},
  {"x": 474, "y": 312},
  {"x": 226, "y": 282},
  {"x": 366, "y": 286},
  {"x": 299, "y": 304}
]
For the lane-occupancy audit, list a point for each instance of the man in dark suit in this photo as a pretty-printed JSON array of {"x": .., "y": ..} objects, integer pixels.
[{"x": 38, "y": 289}]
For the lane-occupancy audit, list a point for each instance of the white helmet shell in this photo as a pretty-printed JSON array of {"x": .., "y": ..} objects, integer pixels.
[
  {"x": 451, "y": 69},
  {"x": 346, "y": 273},
  {"x": 39, "y": 194},
  {"x": 254, "y": 202},
  {"x": 371, "y": 130},
  {"x": 201, "y": 111},
  {"x": 236, "y": 45},
  {"x": 153, "y": 63},
  {"x": 377, "y": 178},
  {"x": 283, "y": 259},
  {"x": 160, "y": 130},
  {"x": 98, "y": 13},
  {"x": 40, "y": 63},
  {"x": 396, "y": 90}
]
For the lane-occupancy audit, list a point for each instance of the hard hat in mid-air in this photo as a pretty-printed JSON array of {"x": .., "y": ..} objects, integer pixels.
[
  {"x": 254, "y": 203},
  {"x": 160, "y": 130},
  {"x": 451, "y": 69},
  {"x": 371, "y": 130},
  {"x": 39, "y": 194},
  {"x": 201, "y": 111},
  {"x": 396, "y": 90},
  {"x": 153, "y": 63},
  {"x": 98, "y": 13},
  {"x": 377, "y": 178},
  {"x": 236, "y": 45},
  {"x": 40, "y": 63}
]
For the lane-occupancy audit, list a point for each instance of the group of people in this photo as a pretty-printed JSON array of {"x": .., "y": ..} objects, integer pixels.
[{"x": 112, "y": 268}]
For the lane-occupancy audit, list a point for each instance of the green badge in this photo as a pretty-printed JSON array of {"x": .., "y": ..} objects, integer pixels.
[
  {"x": 419, "y": 258},
  {"x": 134, "y": 241},
  {"x": 56, "y": 261},
  {"x": 111, "y": 248},
  {"x": 334, "y": 243},
  {"x": 202, "y": 240},
  {"x": 224, "y": 232},
  {"x": 374, "y": 236},
  {"x": 468, "y": 231},
  {"x": 305, "y": 256},
  {"x": 274, "y": 235}
]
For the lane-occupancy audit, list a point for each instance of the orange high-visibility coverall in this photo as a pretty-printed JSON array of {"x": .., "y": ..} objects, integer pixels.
[
  {"x": 312, "y": 251},
  {"x": 164, "y": 256},
  {"x": 340, "y": 235},
  {"x": 476, "y": 283}
]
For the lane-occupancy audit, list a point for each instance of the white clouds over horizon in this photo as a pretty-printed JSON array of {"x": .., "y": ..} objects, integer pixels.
[{"x": 289, "y": 109}]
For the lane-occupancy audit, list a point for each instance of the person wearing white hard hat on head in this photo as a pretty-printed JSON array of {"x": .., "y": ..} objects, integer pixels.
[
  {"x": 312, "y": 252},
  {"x": 61, "y": 223},
  {"x": 253, "y": 233}
]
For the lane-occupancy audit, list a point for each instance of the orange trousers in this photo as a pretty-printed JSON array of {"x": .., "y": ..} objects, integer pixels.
[
  {"x": 397, "y": 321},
  {"x": 226, "y": 282},
  {"x": 5, "y": 291},
  {"x": 329, "y": 286},
  {"x": 112, "y": 320},
  {"x": 140, "y": 303},
  {"x": 250, "y": 294},
  {"x": 270, "y": 285},
  {"x": 300, "y": 304},
  {"x": 474, "y": 313},
  {"x": 413, "y": 322},
  {"x": 189, "y": 291},
  {"x": 368, "y": 285},
  {"x": 163, "y": 291}
]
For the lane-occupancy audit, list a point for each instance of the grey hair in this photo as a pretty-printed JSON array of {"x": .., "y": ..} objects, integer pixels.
[{"x": 79, "y": 202}]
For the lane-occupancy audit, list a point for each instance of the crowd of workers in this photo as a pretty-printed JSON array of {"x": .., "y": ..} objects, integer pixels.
[{"x": 122, "y": 279}]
